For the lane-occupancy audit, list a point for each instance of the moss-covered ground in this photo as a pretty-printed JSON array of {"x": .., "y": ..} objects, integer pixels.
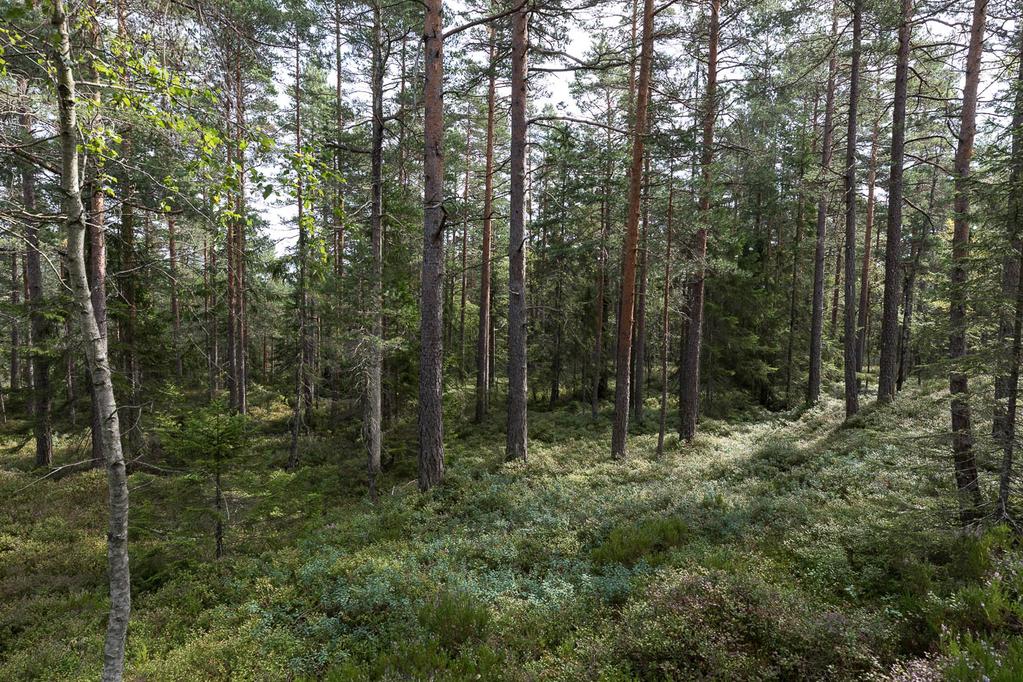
[{"x": 783, "y": 546}]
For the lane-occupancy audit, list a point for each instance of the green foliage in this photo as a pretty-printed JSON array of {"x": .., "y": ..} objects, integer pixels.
[
  {"x": 740, "y": 556},
  {"x": 453, "y": 619},
  {"x": 977, "y": 660},
  {"x": 205, "y": 437},
  {"x": 732, "y": 625},
  {"x": 646, "y": 540}
]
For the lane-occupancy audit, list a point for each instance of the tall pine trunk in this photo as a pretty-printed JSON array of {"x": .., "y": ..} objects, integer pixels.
[
  {"x": 172, "y": 247},
  {"x": 373, "y": 416},
  {"x": 464, "y": 254},
  {"x": 431, "y": 357},
  {"x": 41, "y": 329},
  {"x": 301, "y": 406},
  {"x": 1015, "y": 225},
  {"x": 852, "y": 405},
  {"x": 965, "y": 460},
  {"x": 665, "y": 313},
  {"x": 887, "y": 378},
  {"x": 627, "y": 301},
  {"x": 483, "y": 332},
  {"x": 863, "y": 317},
  {"x": 639, "y": 340},
  {"x": 689, "y": 396},
  {"x": 517, "y": 437}
]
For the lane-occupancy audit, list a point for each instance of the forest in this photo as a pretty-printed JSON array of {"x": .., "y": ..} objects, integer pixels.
[{"x": 611, "y": 340}]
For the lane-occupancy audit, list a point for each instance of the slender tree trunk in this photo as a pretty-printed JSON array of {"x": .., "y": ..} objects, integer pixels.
[
  {"x": 465, "y": 243},
  {"x": 917, "y": 250},
  {"x": 96, "y": 352},
  {"x": 852, "y": 405},
  {"x": 638, "y": 384},
  {"x": 886, "y": 382},
  {"x": 483, "y": 332},
  {"x": 241, "y": 330},
  {"x": 15, "y": 323},
  {"x": 793, "y": 296},
  {"x": 129, "y": 293},
  {"x": 863, "y": 318},
  {"x": 836, "y": 289},
  {"x": 42, "y": 397},
  {"x": 665, "y": 312},
  {"x": 218, "y": 504},
  {"x": 374, "y": 367},
  {"x": 964, "y": 457},
  {"x": 209, "y": 302},
  {"x": 431, "y": 359},
  {"x": 175, "y": 310},
  {"x": 339, "y": 223},
  {"x": 556, "y": 270},
  {"x": 623, "y": 370},
  {"x": 1015, "y": 225},
  {"x": 517, "y": 428},
  {"x": 301, "y": 405},
  {"x": 601, "y": 303},
  {"x": 689, "y": 397}
]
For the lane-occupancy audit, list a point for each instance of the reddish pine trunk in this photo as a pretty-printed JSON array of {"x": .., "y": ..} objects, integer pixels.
[
  {"x": 965, "y": 462},
  {"x": 627, "y": 302}
]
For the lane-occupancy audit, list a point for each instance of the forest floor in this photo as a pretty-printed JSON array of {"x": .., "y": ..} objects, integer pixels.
[{"x": 775, "y": 546}]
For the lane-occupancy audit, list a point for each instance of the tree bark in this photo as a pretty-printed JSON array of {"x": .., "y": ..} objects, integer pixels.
[
  {"x": 852, "y": 405},
  {"x": 638, "y": 384},
  {"x": 965, "y": 462},
  {"x": 431, "y": 359},
  {"x": 623, "y": 370},
  {"x": 601, "y": 303},
  {"x": 1015, "y": 225},
  {"x": 689, "y": 398},
  {"x": 517, "y": 437},
  {"x": 483, "y": 332},
  {"x": 41, "y": 329},
  {"x": 465, "y": 242},
  {"x": 15, "y": 323},
  {"x": 887, "y": 379},
  {"x": 96, "y": 352},
  {"x": 863, "y": 317},
  {"x": 665, "y": 313},
  {"x": 240, "y": 368},
  {"x": 301, "y": 406},
  {"x": 374, "y": 367},
  {"x": 175, "y": 309}
]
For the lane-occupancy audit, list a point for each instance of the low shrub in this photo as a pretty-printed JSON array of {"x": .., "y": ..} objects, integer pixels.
[{"x": 646, "y": 540}]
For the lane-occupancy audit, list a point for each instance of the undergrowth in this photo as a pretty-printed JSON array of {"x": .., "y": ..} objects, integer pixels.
[{"x": 771, "y": 547}]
